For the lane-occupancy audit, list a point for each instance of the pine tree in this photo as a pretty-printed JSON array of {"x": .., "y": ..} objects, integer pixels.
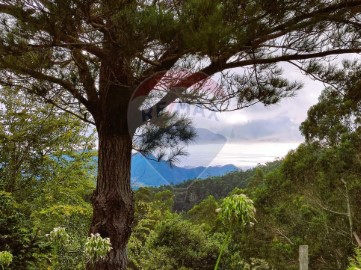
[{"x": 89, "y": 58}]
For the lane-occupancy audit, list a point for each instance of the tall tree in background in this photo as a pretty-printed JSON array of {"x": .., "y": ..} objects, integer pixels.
[
  {"x": 89, "y": 58},
  {"x": 46, "y": 177},
  {"x": 337, "y": 114}
]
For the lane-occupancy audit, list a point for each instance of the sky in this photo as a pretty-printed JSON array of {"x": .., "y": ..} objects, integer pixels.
[{"x": 256, "y": 134}]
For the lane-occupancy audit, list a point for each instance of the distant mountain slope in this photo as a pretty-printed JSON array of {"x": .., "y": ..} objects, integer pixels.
[
  {"x": 205, "y": 136},
  {"x": 149, "y": 172},
  {"x": 192, "y": 192}
]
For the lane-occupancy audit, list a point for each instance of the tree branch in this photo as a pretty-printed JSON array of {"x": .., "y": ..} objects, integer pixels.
[
  {"x": 83, "y": 118},
  {"x": 290, "y": 57},
  {"x": 316, "y": 13},
  {"x": 43, "y": 77},
  {"x": 60, "y": 39},
  {"x": 85, "y": 76}
]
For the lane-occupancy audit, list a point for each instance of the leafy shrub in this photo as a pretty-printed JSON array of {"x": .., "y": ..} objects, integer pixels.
[
  {"x": 96, "y": 248},
  {"x": 355, "y": 262},
  {"x": 5, "y": 258}
]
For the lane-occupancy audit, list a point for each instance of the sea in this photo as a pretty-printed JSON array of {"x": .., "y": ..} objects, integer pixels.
[{"x": 243, "y": 155}]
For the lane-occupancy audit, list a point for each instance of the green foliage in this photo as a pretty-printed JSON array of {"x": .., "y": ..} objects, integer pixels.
[
  {"x": 97, "y": 248},
  {"x": 165, "y": 240},
  {"x": 32, "y": 137},
  {"x": 330, "y": 118},
  {"x": 59, "y": 236},
  {"x": 355, "y": 262},
  {"x": 5, "y": 258},
  {"x": 151, "y": 36},
  {"x": 205, "y": 212},
  {"x": 311, "y": 197},
  {"x": 189, "y": 245},
  {"x": 151, "y": 208},
  {"x": 237, "y": 209},
  {"x": 303, "y": 199},
  {"x": 204, "y": 28},
  {"x": 70, "y": 253},
  {"x": 63, "y": 254},
  {"x": 192, "y": 192},
  {"x": 89, "y": 57},
  {"x": 16, "y": 235},
  {"x": 46, "y": 178}
]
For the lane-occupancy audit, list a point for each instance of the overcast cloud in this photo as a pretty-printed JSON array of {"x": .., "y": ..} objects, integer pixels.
[
  {"x": 278, "y": 122},
  {"x": 259, "y": 133}
]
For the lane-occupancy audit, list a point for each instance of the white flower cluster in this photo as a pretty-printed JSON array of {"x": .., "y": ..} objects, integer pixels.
[
  {"x": 97, "y": 248},
  {"x": 59, "y": 236}
]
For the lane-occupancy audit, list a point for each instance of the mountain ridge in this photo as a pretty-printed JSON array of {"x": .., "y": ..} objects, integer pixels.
[{"x": 149, "y": 172}]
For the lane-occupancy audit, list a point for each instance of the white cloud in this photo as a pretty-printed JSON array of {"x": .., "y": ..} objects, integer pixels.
[
  {"x": 264, "y": 133},
  {"x": 295, "y": 107}
]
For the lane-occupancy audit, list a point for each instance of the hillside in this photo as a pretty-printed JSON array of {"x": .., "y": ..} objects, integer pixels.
[
  {"x": 149, "y": 172},
  {"x": 192, "y": 192}
]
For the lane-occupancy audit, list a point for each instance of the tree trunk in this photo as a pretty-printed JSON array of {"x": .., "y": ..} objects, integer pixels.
[{"x": 113, "y": 206}]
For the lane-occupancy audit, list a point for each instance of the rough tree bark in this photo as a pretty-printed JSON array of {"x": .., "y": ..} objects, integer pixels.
[
  {"x": 113, "y": 208},
  {"x": 113, "y": 204}
]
